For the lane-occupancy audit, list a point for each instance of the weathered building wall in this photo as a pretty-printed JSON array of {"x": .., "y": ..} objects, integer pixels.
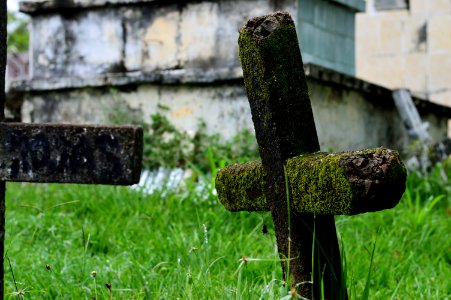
[
  {"x": 408, "y": 48},
  {"x": 92, "y": 61},
  {"x": 142, "y": 38},
  {"x": 349, "y": 113}
]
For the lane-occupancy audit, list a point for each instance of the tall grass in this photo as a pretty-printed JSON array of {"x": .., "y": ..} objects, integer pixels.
[{"x": 184, "y": 244}]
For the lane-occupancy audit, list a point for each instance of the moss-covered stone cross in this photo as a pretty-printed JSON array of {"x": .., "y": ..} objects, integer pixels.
[{"x": 301, "y": 187}]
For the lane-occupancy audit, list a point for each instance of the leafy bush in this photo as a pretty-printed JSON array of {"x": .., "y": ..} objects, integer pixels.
[
  {"x": 18, "y": 39},
  {"x": 166, "y": 146}
]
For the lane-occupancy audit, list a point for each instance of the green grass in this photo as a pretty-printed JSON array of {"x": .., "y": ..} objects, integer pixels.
[{"x": 185, "y": 245}]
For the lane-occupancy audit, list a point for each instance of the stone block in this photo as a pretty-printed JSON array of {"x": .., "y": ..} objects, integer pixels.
[
  {"x": 367, "y": 36},
  {"x": 391, "y": 71},
  {"x": 415, "y": 72},
  {"x": 368, "y": 69},
  {"x": 419, "y": 7},
  {"x": 439, "y": 34},
  {"x": 99, "y": 43},
  {"x": 415, "y": 37},
  {"x": 70, "y": 153},
  {"x": 88, "y": 43},
  {"x": 159, "y": 42},
  {"x": 199, "y": 23},
  {"x": 439, "y": 7},
  {"x": 442, "y": 98},
  {"x": 134, "y": 50},
  {"x": 390, "y": 35},
  {"x": 47, "y": 46},
  {"x": 439, "y": 72}
]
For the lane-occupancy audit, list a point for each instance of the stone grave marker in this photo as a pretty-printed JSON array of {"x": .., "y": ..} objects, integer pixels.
[
  {"x": 62, "y": 153},
  {"x": 303, "y": 188}
]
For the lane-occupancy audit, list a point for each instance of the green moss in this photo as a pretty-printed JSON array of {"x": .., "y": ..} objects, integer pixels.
[
  {"x": 254, "y": 70},
  {"x": 277, "y": 90},
  {"x": 252, "y": 52},
  {"x": 241, "y": 187},
  {"x": 319, "y": 185}
]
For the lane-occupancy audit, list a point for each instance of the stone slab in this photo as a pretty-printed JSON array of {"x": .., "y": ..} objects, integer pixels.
[{"x": 70, "y": 153}]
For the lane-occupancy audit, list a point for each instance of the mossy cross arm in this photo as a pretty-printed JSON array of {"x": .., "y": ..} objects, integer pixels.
[{"x": 325, "y": 184}]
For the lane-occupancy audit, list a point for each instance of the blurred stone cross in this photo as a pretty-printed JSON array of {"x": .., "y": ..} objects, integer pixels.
[
  {"x": 303, "y": 188},
  {"x": 62, "y": 153}
]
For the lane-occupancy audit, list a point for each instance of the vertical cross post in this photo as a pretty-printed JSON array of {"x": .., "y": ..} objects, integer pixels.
[
  {"x": 302, "y": 189},
  {"x": 284, "y": 126},
  {"x": 62, "y": 153}
]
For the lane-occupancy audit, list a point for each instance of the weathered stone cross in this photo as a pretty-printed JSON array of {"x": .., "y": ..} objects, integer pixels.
[
  {"x": 62, "y": 153},
  {"x": 301, "y": 187}
]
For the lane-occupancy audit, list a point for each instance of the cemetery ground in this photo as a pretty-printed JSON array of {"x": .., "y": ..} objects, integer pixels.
[{"x": 182, "y": 243}]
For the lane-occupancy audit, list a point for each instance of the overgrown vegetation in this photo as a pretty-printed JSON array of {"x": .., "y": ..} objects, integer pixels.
[
  {"x": 105, "y": 242},
  {"x": 18, "y": 38},
  {"x": 168, "y": 147},
  {"x": 183, "y": 244}
]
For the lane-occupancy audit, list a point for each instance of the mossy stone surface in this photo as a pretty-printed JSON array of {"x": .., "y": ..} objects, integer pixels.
[
  {"x": 241, "y": 187},
  {"x": 325, "y": 184},
  {"x": 276, "y": 87}
]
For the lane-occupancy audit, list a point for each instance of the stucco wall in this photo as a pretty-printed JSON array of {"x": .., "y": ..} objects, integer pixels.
[
  {"x": 345, "y": 118},
  {"x": 408, "y": 49},
  {"x": 90, "y": 63},
  {"x": 143, "y": 37}
]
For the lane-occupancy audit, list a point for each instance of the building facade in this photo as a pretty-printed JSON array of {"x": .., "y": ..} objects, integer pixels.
[
  {"x": 407, "y": 44},
  {"x": 93, "y": 59}
]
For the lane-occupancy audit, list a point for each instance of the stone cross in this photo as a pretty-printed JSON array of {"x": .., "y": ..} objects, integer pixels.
[
  {"x": 303, "y": 189},
  {"x": 62, "y": 153}
]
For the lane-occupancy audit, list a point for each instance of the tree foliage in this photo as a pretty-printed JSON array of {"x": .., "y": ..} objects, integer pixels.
[{"x": 18, "y": 37}]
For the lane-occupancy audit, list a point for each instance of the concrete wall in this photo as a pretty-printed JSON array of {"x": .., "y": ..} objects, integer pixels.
[
  {"x": 143, "y": 37},
  {"x": 347, "y": 116},
  {"x": 92, "y": 62},
  {"x": 408, "y": 49}
]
